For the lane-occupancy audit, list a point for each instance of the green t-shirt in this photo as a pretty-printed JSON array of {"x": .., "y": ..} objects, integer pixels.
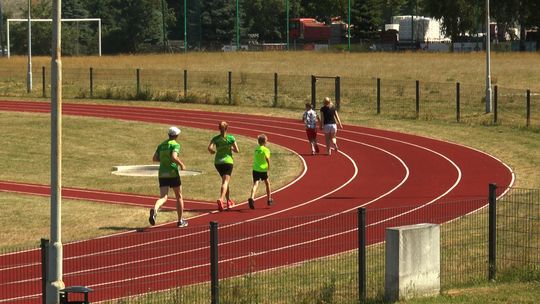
[
  {"x": 223, "y": 149},
  {"x": 167, "y": 167},
  {"x": 259, "y": 159}
]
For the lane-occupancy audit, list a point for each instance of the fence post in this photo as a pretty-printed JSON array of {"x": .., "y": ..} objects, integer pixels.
[
  {"x": 417, "y": 99},
  {"x": 378, "y": 96},
  {"x": 43, "y": 81},
  {"x": 230, "y": 87},
  {"x": 362, "y": 254},
  {"x": 138, "y": 82},
  {"x": 185, "y": 84},
  {"x": 492, "y": 231},
  {"x": 528, "y": 108},
  {"x": 458, "y": 105},
  {"x": 495, "y": 101},
  {"x": 313, "y": 91},
  {"x": 275, "y": 89},
  {"x": 338, "y": 92},
  {"x": 214, "y": 262},
  {"x": 91, "y": 82},
  {"x": 44, "y": 245}
]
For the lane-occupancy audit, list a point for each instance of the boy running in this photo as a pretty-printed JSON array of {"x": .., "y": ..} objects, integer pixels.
[{"x": 261, "y": 165}]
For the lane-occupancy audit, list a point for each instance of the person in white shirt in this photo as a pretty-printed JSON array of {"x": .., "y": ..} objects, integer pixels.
[{"x": 310, "y": 119}]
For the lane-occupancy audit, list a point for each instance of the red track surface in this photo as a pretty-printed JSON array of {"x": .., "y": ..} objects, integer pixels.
[{"x": 374, "y": 168}]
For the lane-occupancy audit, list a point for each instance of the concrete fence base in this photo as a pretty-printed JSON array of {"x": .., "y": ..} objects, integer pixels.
[{"x": 412, "y": 261}]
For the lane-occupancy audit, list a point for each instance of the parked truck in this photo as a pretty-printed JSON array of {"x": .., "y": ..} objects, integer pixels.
[{"x": 309, "y": 30}]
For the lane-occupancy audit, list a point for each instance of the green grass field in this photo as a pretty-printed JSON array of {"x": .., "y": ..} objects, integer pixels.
[{"x": 512, "y": 143}]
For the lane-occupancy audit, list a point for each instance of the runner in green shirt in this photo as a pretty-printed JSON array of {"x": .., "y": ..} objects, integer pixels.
[
  {"x": 169, "y": 177},
  {"x": 223, "y": 146},
  {"x": 261, "y": 166}
]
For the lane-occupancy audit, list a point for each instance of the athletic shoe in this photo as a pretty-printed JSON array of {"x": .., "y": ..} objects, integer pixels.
[
  {"x": 316, "y": 148},
  {"x": 336, "y": 147},
  {"x": 230, "y": 203},
  {"x": 152, "y": 217},
  {"x": 270, "y": 202},
  {"x": 182, "y": 223},
  {"x": 220, "y": 205},
  {"x": 251, "y": 203}
]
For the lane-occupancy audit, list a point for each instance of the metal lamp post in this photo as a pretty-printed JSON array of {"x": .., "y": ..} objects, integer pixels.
[
  {"x": 287, "y": 16},
  {"x": 29, "y": 68},
  {"x": 237, "y": 27},
  {"x": 185, "y": 26},
  {"x": 55, "y": 283},
  {"x": 488, "y": 61}
]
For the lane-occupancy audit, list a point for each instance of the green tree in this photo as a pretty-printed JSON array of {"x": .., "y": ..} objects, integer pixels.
[
  {"x": 458, "y": 16},
  {"x": 266, "y": 18},
  {"x": 41, "y": 31},
  {"x": 137, "y": 21},
  {"x": 367, "y": 18}
]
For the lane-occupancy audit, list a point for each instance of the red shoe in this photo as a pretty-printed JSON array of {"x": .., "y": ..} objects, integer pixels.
[
  {"x": 230, "y": 203},
  {"x": 220, "y": 205}
]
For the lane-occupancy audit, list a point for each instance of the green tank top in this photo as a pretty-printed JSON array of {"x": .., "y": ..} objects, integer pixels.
[{"x": 223, "y": 149}]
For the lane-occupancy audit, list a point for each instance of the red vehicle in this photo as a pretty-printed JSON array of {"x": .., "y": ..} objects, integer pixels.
[{"x": 309, "y": 30}]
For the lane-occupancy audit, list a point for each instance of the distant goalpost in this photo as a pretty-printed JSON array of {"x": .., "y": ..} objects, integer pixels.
[{"x": 98, "y": 20}]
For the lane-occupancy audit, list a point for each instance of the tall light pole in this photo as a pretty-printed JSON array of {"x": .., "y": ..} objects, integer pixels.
[
  {"x": 29, "y": 69},
  {"x": 55, "y": 283},
  {"x": 237, "y": 27},
  {"x": 287, "y": 16},
  {"x": 185, "y": 26},
  {"x": 488, "y": 61},
  {"x": 349, "y": 26}
]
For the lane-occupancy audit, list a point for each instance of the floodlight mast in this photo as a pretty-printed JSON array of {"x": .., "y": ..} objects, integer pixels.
[
  {"x": 55, "y": 283},
  {"x": 488, "y": 61}
]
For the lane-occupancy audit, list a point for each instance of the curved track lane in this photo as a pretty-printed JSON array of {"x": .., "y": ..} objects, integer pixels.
[{"x": 377, "y": 169}]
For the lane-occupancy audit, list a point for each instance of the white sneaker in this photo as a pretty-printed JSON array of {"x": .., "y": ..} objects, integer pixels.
[{"x": 182, "y": 223}]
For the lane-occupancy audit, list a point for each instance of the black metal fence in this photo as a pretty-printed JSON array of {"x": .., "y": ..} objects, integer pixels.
[
  {"x": 415, "y": 99},
  {"x": 322, "y": 257}
]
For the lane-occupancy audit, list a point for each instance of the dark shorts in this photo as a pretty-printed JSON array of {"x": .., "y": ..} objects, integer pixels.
[
  {"x": 224, "y": 169},
  {"x": 311, "y": 134},
  {"x": 170, "y": 182},
  {"x": 259, "y": 176}
]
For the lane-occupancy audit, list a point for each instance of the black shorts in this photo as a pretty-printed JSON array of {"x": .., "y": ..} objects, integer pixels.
[
  {"x": 259, "y": 176},
  {"x": 224, "y": 169},
  {"x": 170, "y": 182}
]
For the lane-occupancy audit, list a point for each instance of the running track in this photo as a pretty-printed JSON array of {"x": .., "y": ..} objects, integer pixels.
[{"x": 374, "y": 168}]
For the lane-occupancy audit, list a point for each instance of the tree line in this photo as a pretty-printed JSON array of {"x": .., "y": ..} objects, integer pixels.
[{"x": 129, "y": 25}]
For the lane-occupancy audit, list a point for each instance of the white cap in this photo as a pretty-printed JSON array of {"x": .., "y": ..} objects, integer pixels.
[{"x": 174, "y": 131}]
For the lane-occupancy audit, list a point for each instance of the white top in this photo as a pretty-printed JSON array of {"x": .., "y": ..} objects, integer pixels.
[{"x": 310, "y": 119}]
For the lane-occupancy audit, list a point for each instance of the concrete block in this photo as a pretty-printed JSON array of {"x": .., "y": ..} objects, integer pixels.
[{"x": 413, "y": 261}]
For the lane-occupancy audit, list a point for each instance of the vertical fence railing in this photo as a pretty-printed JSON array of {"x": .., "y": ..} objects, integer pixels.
[
  {"x": 378, "y": 96},
  {"x": 185, "y": 84},
  {"x": 528, "y": 108},
  {"x": 214, "y": 262},
  {"x": 91, "y": 77},
  {"x": 44, "y": 245},
  {"x": 229, "y": 87},
  {"x": 495, "y": 104},
  {"x": 362, "y": 255},
  {"x": 417, "y": 99},
  {"x": 492, "y": 232},
  {"x": 138, "y": 82},
  {"x": 275, "y": 90}
]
